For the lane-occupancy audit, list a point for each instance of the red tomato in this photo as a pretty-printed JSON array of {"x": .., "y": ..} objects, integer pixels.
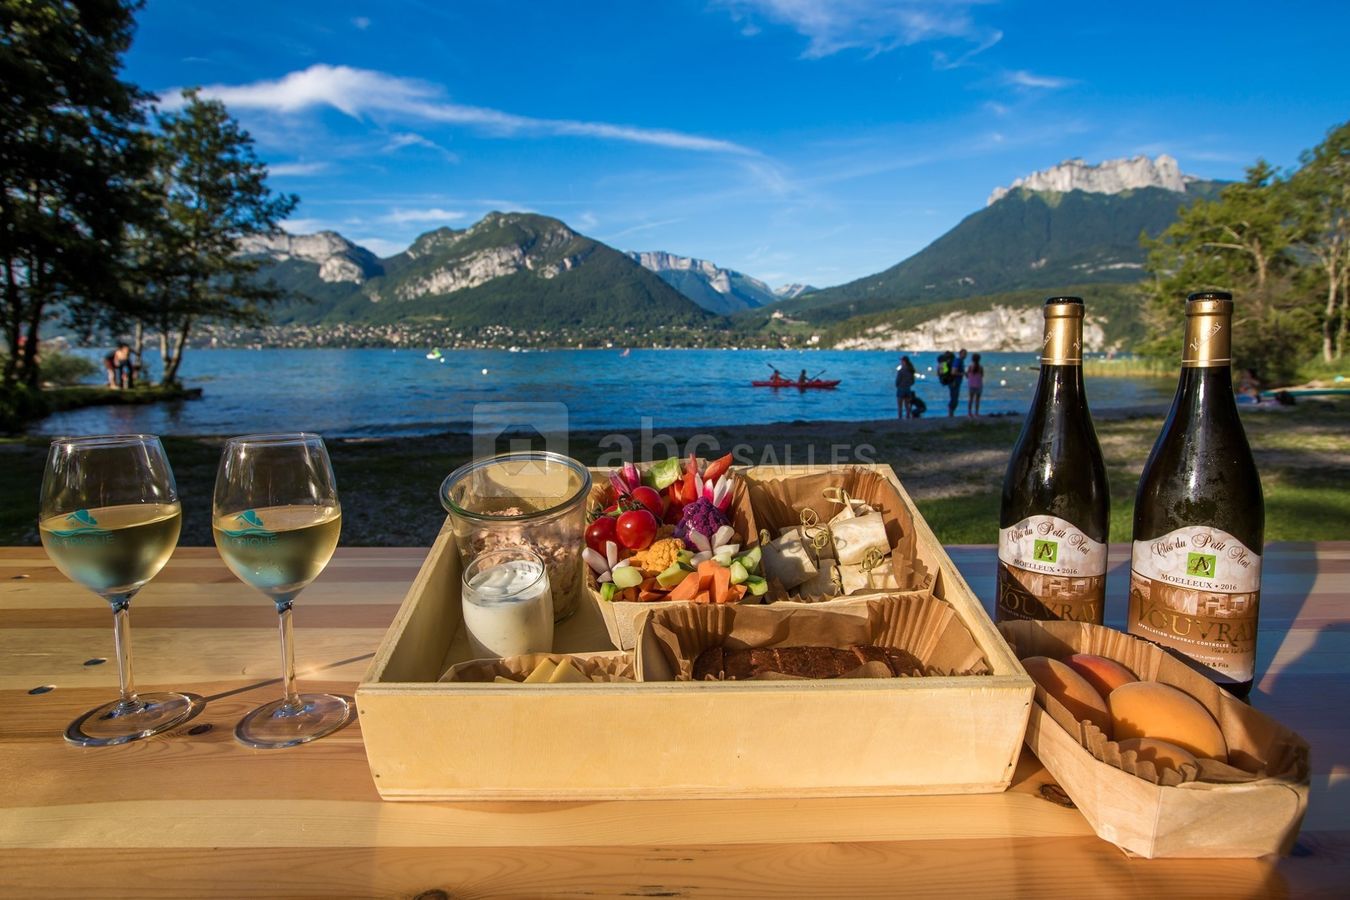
[
  {"x": 650, "y": 498},
  {"x": 599, "y": 531},
  {"x": 636, "y": 529}
]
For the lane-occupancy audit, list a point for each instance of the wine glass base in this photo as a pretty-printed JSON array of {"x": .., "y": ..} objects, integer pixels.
[
  {"x": 273, "y": 725},
  {"x": 118, "y": 722}
]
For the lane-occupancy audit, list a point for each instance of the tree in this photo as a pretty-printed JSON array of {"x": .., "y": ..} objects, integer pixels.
[
  {"x": 214, "y": 194},
  {"x": 1321, "y": 196},
  {"x": 1240, "y": 242},
  {"x": 72, "y": 160}
]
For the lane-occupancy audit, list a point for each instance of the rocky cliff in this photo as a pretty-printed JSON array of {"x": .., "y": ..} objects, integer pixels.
[
  {"x": 338, "y": 259},
  {"x": 714, "y": 288},
  {"x": 788, "y": 291},
  {"x": 1001, "y": 328},
  {"x": 1111, "y": 177}
]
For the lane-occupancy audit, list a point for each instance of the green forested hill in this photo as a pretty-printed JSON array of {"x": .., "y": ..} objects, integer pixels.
[
  {"x": 511, "y": 270},
  {"x": 1027, "y": 240}
]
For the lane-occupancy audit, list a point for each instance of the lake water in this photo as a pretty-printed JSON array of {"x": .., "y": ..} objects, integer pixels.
[{"x": 383, "y": 392}]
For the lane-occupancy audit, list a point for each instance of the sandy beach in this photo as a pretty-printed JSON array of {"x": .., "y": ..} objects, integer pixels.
[{"x": 952, "y": 467}]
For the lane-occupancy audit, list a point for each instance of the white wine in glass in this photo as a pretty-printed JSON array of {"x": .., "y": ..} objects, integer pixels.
[
  {"x": 276, "y": 521},
  {"x": 109, "y": 518}
]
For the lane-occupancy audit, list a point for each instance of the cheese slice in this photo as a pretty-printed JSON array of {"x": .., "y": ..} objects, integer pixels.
[
  {"x": 566, "y": 672},
  {"x": 542, "y": 672}
]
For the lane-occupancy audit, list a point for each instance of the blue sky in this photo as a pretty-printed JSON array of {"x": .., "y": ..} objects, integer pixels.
[{"x": 794, "y": 140}]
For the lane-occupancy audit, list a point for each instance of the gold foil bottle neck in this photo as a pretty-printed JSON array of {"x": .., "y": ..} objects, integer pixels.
[
  {"x": 1209, "y": 331},
  {"x": 1063, "y": 345}
]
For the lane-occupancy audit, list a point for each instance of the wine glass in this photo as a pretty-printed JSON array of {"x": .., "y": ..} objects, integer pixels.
[
  {"x": 109, "y": 519},
  {"x": 276, "y": 520}
]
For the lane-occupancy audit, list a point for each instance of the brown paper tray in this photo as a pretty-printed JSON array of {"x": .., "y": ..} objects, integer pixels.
[{"x": 1193, "y": 819}]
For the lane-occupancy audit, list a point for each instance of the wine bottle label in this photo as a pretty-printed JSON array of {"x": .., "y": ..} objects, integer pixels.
[
  {"x": 1049, "y": 569},
  {"x": 1196, "y": 590}
]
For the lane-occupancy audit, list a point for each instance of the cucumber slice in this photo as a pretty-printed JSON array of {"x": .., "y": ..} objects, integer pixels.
[
  {"x": 626, "y": 577},
  {"x": 750, "y": 558},
  {"x": 738, "y": 573},
  {"x": 607, "y": 591},
  {"x": 672, "y": 576},
  {"x": 757, "y": 585},
  {"x": 723, "y": 559}
]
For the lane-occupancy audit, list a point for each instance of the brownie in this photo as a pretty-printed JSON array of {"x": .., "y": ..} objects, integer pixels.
[
  {"x": 718, "y": 663},
  {"x": 903, "y": 663},
  {"x": 709, "y": 664}
]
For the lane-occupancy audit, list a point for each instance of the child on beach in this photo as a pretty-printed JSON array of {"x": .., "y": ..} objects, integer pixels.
[
  {"x": 904, "y": 387},
  {"x": 975, "y": 381}
]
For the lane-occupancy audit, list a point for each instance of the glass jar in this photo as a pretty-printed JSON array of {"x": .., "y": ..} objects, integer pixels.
[
  {"x": 533, "y": 499},
  {"x": 508, "y": 609}
]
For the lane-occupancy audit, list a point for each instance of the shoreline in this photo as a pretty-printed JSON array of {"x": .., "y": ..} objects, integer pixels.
[
  {"x": 755, "y": 429},
  {"x": 953, "y": 468}
]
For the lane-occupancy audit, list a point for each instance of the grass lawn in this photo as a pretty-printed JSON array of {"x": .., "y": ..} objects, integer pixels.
[{"x": 953, "y": 468}]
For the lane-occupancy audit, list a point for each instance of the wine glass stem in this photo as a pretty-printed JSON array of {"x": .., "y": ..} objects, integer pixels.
[
  {"x": 286, "y": 634},
  {"x": 121, "y": 607}
]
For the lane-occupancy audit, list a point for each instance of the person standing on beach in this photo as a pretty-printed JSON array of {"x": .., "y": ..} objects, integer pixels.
[
  {"x": 118, "y": 366},
  {"x": 975, "y": 385},
  {"x": 954, "y": 385},
  {"x": 904, "y": 388}
]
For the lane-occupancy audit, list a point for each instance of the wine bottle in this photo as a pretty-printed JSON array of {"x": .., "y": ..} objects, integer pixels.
[
  {"x": 1055, "y": 511},
  {"x": 1199, "y": 517}
]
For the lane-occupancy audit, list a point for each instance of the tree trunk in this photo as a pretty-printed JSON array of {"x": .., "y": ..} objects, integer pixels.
[
  {"x": 31, "y": 365},
  {"x": 138, "y": 348},
  {"x": 164, "y": 353},
  {"x": 171, "y": 368},
  {"x": 12, "y": 318},
  {"x": 1345, "y": 319},
  {"x": 1329, "y": 323}
]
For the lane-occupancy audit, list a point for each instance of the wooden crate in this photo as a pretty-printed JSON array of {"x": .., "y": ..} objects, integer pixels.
[{"x": 427, "y": 740}]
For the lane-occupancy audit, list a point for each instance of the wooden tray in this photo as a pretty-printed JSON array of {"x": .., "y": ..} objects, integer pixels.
[{"x": 427, "y": 740}]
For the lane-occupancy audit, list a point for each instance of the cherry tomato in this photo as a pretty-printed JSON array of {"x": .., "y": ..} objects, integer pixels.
[
  {"x": 650, "y": 498},
  {"x": 636, "y": 529},
  {"x": 599, "y": 531}
]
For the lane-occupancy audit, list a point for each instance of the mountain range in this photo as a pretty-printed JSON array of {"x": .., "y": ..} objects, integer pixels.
[
  {"x": 715, "y": 289},
  {"x": 510, "y": 274}
]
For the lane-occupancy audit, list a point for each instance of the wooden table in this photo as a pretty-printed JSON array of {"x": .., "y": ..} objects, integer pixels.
[{"x": 194, "y": 813}]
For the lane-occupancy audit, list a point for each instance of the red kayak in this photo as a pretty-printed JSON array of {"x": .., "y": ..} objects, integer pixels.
[{"x": 815, "y": 383}]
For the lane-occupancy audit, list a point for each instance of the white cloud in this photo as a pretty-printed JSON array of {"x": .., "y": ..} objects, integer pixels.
[
  {"x": 361, "y": 23},
  {"x": 943, "y": 62},
  {"x": 1024, "y": 79},
  {"x": 433, "y": 214},
  {"x": 363, "y": 93},
  {"x": 381, "y": 247},
  {"x": 402, "y": 139},
  {"x": 305, "y": 226},
  {"x": 875, "y": 25},
  {"x": 296, "y": 169}
]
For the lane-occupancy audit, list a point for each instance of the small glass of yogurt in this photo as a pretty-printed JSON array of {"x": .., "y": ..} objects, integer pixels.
[{"x": 508, "y": 605}]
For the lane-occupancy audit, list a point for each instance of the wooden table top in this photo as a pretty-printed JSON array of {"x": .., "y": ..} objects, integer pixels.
[{"x": 193, "y": 813}]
